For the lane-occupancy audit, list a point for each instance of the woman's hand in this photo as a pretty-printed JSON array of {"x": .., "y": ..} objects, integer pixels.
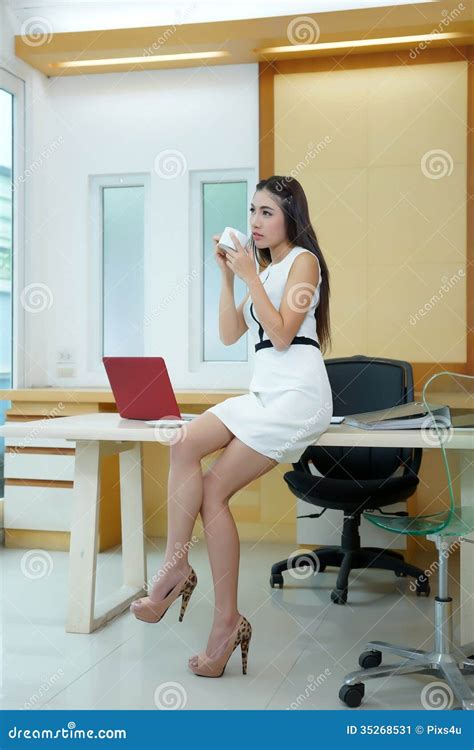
[
  {"x": 221, "y": 256},
  {"x": 241, "y": 262}
]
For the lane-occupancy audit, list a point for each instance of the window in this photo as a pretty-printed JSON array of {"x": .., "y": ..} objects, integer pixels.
[
  {"x": 219, "y": 198},
  {"x": 122, "y": 262},
  {"x": 118, "y": 279},
  {"x": 6, "y": 235},
  {"x": 12, "y": 177},
  {"x": 223, "y": 204}
]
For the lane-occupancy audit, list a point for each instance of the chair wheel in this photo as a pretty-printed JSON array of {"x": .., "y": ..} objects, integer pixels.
[
  {"x": 422, "y": 587},
  {"x": 400, "y": 574},
  {"x": 352, "y": 695},
  {"x": 339, "y": 596},
  {"x": 276, "y": 579},
  {"x": 467, "y": 668},
  {"x": 370, "y": 659}
]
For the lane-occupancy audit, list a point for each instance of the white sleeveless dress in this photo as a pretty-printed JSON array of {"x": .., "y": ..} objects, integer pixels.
[{"x": 289, "y": 403}]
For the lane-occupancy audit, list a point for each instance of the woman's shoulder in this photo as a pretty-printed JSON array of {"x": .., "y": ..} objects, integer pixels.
[{"x": 297, "y": 251}]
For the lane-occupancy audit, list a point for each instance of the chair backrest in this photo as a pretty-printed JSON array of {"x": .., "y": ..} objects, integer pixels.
[
  {"x": 359, "y": 384},
  {"x": 455, "y": 391}
]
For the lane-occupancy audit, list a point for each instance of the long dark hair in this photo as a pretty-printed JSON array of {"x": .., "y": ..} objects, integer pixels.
[{"x": 291, "y": 198}]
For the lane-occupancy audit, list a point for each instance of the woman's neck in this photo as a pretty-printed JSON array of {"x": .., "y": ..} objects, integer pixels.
[{"x": 279, "y": 252}]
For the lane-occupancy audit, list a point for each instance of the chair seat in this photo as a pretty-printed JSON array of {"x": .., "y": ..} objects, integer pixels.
[
  {"x": 459, "y": 524},
  {"x": 341, "y": 494}
]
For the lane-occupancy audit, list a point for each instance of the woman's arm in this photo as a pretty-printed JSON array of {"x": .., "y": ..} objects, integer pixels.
[
  {"x": 232, "y": 324},
  {"x": 282, "y": 325}
]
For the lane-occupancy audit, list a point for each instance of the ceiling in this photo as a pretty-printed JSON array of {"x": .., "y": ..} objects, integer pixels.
[
  {"x": 90, "y": 15},
  {"x": 376, "y": 26}
]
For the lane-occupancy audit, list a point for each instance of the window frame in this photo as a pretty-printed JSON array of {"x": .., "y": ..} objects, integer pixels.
[
  {"x": 238, "y": 371},
  {"x": 19, "y": 371},
  {"x": 95, "y": 274}
]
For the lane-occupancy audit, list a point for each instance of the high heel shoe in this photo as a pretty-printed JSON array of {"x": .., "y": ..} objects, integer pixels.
[
  {"x": 148, "y": 611},
  {"x": 207, "y": 667}
]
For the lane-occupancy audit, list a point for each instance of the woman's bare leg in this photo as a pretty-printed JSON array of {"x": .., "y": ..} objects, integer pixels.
[
  {"x": 237, "y": 466},
  {"x": 200, "y": 437}
]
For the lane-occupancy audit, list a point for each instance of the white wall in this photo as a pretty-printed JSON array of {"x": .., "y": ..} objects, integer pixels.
[{"x": 109, "y": 124}]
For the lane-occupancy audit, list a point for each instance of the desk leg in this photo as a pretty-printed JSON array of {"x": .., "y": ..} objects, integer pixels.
[
  {"x": 83, "y": 614},
  {"x": 84, "y": 538},
  {"x": 131, "y": 503},
  {"x": 467, "y": 552}
]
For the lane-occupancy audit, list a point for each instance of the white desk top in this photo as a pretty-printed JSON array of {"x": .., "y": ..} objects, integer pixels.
[{"x": 111, "y": 427}]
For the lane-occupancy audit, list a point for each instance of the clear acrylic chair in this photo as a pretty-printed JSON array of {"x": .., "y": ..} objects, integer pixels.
[{"x": 447, "y": 528}]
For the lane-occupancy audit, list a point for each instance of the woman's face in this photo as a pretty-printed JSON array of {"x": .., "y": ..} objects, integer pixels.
[{"x": 267, "y": 221}]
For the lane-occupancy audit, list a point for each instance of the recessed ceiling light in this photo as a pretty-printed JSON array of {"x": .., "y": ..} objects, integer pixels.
[
  {"x": 359, "y": 43},
  {"x": 140, "y": 59}
]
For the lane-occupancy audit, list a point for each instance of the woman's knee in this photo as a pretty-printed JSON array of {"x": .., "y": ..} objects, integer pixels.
[
  {"x": 185, "y": 450},
  {"x": 215, "y": 495},
  {"x": 201, "y": 437}
]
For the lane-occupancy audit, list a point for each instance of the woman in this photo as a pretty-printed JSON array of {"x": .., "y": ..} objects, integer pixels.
[{"x": 288, "y": 406}]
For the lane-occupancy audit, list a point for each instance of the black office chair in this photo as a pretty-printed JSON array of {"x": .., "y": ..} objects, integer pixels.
[{"x": 354, "y": 480}]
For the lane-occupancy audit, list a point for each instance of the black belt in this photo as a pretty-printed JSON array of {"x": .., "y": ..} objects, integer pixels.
[
  {"x": 267, "y": 344},
  {"x": 297, "y": 340}
]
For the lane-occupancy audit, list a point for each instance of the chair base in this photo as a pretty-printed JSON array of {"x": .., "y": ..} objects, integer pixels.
[
  {"x": 452, "y": 667},
  {"x": 347, "y": 560},
  {"x": 445, "y": 660}
]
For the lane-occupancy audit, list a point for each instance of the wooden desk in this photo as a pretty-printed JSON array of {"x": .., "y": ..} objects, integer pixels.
[
  {"x": 104, "y": 434},
  {"x": 44, "y": 471},
  {"x": 39, "y": 482}
]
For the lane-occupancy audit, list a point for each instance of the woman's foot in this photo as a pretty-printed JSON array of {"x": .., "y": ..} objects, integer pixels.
[
  {"x": 167, "y": 580},
  {"x": 182, "y": 583},
  {"x": 219, "y": 638}
]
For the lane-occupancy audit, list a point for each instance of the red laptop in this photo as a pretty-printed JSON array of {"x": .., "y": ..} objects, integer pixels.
[{"x": 142, "y": 389}]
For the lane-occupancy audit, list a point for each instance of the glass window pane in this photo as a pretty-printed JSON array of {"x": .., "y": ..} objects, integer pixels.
[
  {"x": 6, "y": 237},
  {"x": 123, "y": 270},
  {"x": 224, "y": 204}
]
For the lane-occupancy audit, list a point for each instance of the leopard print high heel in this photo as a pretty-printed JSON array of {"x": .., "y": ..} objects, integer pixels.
[
  {"x": 241, "y": 634},
  {"x": 148, "y": 611}
]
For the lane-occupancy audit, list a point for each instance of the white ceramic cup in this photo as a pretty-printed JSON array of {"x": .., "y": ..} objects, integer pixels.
[{"x": 226, "y": 240}]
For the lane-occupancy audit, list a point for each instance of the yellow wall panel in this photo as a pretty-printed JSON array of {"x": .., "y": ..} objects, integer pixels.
[
  {"x": 381, "y": 154},
  {"x": 405, "y": 319}
]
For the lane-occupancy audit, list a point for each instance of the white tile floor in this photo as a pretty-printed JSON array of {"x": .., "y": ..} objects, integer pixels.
[{"x": 301, "y": 648}]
